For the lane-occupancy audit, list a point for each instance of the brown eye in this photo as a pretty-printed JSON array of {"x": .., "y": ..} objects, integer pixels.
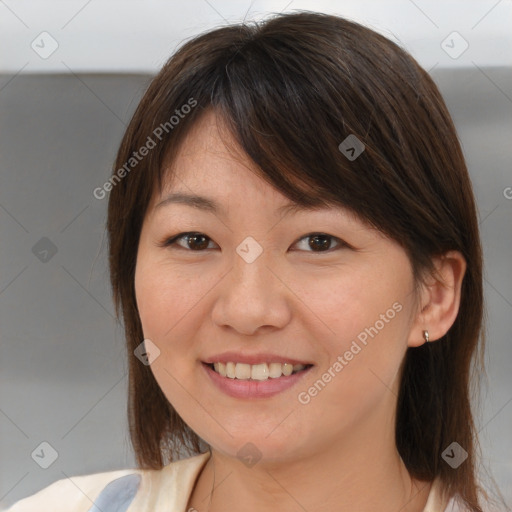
[
  {"x": 192, "y": 241},
  {"x": 197, "y": 241},
  {"x": 320, "y": 242}
]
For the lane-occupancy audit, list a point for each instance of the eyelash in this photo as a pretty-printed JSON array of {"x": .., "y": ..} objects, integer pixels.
[{"x": 171, "y": 242}]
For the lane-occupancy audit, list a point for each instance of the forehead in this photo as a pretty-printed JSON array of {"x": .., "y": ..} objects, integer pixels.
[
  {"x": 211, "y": 171},
  {"x": 209, "y": 136},
  {"x": 209, "y": 161}
]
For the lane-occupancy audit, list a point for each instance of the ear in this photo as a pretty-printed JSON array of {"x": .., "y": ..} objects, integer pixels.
[{"x": 439, "y": 299}]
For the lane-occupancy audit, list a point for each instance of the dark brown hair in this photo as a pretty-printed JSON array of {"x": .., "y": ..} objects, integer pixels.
[{"x": 291, "y": 89}]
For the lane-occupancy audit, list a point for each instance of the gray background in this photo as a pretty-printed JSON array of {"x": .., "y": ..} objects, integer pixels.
[{"x": 63, "y": 371}]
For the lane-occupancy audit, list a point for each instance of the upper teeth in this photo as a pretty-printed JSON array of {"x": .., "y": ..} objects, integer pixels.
[{"x": 262, "y": 371}]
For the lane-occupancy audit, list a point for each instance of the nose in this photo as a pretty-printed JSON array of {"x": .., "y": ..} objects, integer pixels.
[{"x": 252, "y": 297}]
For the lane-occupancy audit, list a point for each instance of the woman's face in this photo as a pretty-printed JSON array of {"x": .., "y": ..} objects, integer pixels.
[{"x": 256, "y": 286}]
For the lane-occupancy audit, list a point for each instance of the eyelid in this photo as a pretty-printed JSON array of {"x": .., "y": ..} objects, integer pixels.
[{"x": 171, "y": 241}]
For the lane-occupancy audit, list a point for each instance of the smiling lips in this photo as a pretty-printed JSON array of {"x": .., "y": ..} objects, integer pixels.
[
  {"x": 251, "y": 381},
  {"x": 262, "y": 371},
  {"x": 240, "y": 374}
]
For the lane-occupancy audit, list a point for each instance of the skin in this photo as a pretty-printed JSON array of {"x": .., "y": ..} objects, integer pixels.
[{"x": 338, "y": 451}]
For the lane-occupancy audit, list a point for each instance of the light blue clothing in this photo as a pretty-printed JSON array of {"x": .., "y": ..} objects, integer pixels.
[{"x": 118, "y": 495}]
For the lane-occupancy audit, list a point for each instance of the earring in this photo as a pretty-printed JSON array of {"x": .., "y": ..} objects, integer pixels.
[{"x": 425, "y": 335}]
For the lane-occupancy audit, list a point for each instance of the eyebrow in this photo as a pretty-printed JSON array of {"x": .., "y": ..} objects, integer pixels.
[{"x": 209, "y": 205}]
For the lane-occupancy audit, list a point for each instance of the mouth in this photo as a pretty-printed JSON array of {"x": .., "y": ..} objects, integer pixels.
[
  {"x": 251, "y": 381},
  {"x": 257, "y": 372}
]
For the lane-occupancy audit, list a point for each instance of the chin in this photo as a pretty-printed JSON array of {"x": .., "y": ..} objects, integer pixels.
[{"x": 261, "y": 447}]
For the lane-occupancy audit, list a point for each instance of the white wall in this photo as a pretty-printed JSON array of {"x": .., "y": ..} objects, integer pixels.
[{"x": 139, "y": 35}]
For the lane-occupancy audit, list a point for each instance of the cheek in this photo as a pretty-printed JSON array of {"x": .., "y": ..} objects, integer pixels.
[
  {"x": 167, "y": 303},
  {"x": 165, "y": 296},
  {"x": 171, "y": 306},
  {"x": 363, "y": 324},
  {"x": 369, "y": 302}
]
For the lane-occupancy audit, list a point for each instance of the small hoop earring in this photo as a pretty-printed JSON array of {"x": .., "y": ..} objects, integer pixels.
[{"x": 425, "y": 335}]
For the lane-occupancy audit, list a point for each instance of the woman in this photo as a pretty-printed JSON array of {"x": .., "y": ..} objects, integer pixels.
[{"x": 327, "y": 375}]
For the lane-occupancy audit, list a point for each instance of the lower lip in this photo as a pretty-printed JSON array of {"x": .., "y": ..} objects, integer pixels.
[{"x": 253, "y": 388}]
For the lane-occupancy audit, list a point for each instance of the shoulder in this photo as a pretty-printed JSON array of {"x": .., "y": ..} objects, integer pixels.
[
  {"x": 73, "y": 493},
  {"x": 112, "y": 490}
]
